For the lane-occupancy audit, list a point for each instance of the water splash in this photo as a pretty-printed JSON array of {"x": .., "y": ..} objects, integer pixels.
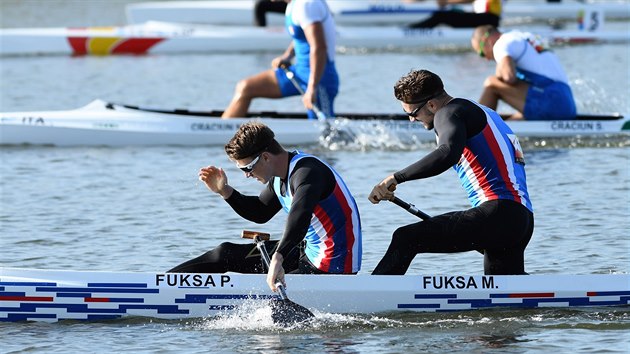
[
  {"x": 256, "y": 317},
  {"x": 346, "y": 134},
  {"x": 351, "y": 135},
  {"x": 252, "y": 315}
]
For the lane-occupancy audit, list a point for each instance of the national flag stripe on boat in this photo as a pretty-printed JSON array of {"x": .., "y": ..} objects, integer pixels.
[
  {"x": 53, "y": 295},
  {"x": 176, "y": 38}
]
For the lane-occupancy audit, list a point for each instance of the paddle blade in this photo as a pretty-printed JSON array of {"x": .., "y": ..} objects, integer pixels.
[{"x": 286, "y": 312}]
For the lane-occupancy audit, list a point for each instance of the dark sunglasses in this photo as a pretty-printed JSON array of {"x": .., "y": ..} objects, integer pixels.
[
  {"x": 422, "y": 103},
  {"x": 415, "y": 112},
  {"x": 250, "y": 166},
  {"x": 482, "y": 44}
]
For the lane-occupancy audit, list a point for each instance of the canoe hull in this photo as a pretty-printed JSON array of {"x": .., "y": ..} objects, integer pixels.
[
  {"x": 353, "y": 12},
  {"x": 53, "y": 295},
  {"x": 96, "y": 125},
  {"x": 174, "y": 38},
  {"x": 104, "y": 124}
]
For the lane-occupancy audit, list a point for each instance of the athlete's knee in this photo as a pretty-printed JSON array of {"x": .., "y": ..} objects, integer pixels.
[
  {"x": 490, "y": 83},
  {"x": 401, "y": 238},
  {"x": 243, "y": 88},
  {"x": 223, "y": 250}
]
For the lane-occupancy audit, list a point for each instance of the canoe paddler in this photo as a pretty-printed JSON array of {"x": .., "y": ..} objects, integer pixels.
[
  {"x": 485, "y": 12},
  {"x": 310, "y": 23},
  {"x": 323, "y": 228},
  {"x": 489, "y": 161},
  {"x": 262, "y": 7},
  {"x": 529, "y": 77}
]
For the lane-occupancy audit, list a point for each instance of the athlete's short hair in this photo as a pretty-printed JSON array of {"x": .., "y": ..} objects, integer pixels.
[
  {"x": 417, "y": 86},
  {"x": 251, "y": 139}
]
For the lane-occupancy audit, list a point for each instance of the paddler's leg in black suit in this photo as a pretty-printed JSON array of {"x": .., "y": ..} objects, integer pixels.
[
  {"x": 263, "y": 6},
  {"x": 458, "y": 19},
  {"x": 233, "y": 257},
  {"x": 510, "y": 260},
  {"x": 500, "y": 227}
]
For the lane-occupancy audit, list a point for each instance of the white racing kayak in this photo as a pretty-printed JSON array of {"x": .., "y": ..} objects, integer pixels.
[
  {"x": 109, "y": 124},
  {"x": 53, "y": 295},
  {"x": 106, "y": 124},
  {"x": 175, "y": 38},
  {"x": 366, "y": 13}
]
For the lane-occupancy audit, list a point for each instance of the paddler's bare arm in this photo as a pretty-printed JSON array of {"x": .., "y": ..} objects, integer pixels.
[
  {"x": 285, "y": 59},
  {"x": 318, "y": 57},
  {"x": 506, "y": 70}
]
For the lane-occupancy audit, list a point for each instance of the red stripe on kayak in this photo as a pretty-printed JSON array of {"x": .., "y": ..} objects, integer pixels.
[
  {"x": 574, "y": 40},
  {"x": 128, "y": 46},
  {"x": 96, "y": 299},
  {"x": 26, "y": 298},
  {"x": 522, "y": 295},
  {"x": 135, "y": 45},
  {"x": 78, "y": 44}
]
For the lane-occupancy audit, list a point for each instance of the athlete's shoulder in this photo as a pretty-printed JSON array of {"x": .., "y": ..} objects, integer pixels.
[
  {"x": 312, "y": 10},
  {"x": 472, "y": 107},
  {"x": 462, "y": 111},
  {"x": 307, "y": 160},
  {"x": 307, "y": 166},
  {"x": 459, "y": 106},
  {"x": 309, "y": 170}
]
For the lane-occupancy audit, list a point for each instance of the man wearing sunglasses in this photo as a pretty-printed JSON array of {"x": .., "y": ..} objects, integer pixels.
[
  {"x": 323, "y": 229},
  {"x": 528, "y": 77},
  {"x": 489, "y": 161}
]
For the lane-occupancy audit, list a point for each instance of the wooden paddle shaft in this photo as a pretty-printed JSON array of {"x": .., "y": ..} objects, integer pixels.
[{"x": 253, "y": 234}]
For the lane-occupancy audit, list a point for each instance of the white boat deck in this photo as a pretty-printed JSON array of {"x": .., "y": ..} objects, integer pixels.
[
  {"x": 106, "y": 124},
  {"x": 174, "y": 38},
  {"x": 50, "y": 295},
  {"x": 358, "y": 12}
]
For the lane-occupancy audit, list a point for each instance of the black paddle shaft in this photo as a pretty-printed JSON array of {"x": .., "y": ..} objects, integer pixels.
[
  {"x": 417, "y": 212},
  {"x": 260, "y": 244},
  {"x": 284, "y": 311},
  {"x": 410, "y": 208},
  {"x": 318, "y": 112}
]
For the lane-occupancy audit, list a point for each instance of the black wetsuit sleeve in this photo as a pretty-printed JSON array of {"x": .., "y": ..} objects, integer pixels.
[
  {"x": 453, "y": 124},
  {"x": 310, "y": 182},
  {"x": 258, "y": 209}
]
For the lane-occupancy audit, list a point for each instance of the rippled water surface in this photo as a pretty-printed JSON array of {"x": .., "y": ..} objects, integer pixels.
[{"x": 142, "y": 209}]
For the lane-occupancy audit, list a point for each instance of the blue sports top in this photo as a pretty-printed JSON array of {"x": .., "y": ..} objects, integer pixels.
[
  {"x": 333, "y": 238},
  {"x": 492, "y": 164},
  {"x": 302, "y": 13},
  {"x": 483, "y": 150}
]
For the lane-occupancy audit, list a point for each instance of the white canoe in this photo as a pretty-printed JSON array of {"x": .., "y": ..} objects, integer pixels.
[
  {"x": 101, "y": 123},
  {"x": 173, "y": 38},
  {"x": 357, "y": 12},
  {"x": 53, "y": 295},
  {"x": 108, "y": 124}
]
